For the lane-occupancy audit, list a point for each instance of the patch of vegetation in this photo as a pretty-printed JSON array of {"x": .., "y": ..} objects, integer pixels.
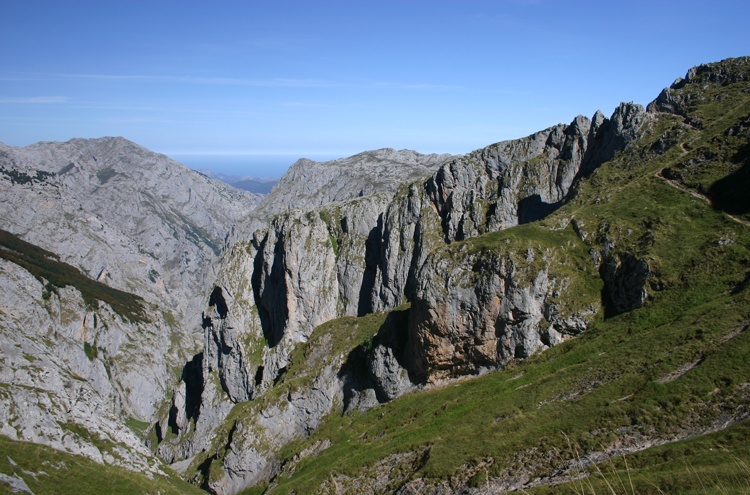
[
  {"x": 169, "y": 319},
  {"x": 48, "y": 471},
  {"x": 138, "y": 427},
  {"x": 326, "y": 217},
  {"x": 49, "y": 270},
  {"x": 105, "y": 174},
  {"x": 91, "y": 351},
  {"x": 194, "y": 233},
  {"x": 199, "y": 235},
  {"x": 715, "y": 463},
  {"x": 17, "y": 177},
  {"x": 255, "y": 490}
]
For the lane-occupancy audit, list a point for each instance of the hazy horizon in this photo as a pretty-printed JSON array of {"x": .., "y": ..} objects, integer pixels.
[{"x": 240, "y": 165}]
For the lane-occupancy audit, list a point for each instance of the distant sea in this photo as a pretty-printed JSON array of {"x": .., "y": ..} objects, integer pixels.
[{"x": 243, "y": 165}]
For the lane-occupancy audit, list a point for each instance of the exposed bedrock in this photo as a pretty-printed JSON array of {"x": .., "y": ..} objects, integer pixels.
[{"x": 478, "y": 312}]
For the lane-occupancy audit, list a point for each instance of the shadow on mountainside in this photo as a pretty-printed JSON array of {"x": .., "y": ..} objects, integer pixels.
[{"x": 730, "y": 194}]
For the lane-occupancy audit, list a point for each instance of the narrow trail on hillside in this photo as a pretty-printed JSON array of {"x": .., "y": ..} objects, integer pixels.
[
  {"x": 695, "y": 193},
  {"x": 692, "y": 192}
]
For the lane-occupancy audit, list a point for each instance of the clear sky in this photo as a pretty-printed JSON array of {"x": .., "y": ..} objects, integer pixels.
[{"x": 329, "y": 78}]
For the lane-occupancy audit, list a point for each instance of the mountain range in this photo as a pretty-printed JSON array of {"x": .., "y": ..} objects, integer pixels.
[{"x": 560, "y": 313}]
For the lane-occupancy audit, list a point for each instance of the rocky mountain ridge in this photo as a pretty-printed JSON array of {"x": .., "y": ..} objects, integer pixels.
[
  {"x": 107, "y": 199},
  {"x": 79, "y": 360}
]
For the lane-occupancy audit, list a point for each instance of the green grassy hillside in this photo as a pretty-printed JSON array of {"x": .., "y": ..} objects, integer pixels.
[{"x": 48, "y": 471}]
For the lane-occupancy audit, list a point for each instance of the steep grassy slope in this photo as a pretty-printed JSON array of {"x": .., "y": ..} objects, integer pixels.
[
  {"x": 672, "y": 369},
  {"x": 48, "y": 269},
  {"x": 43, "y": 470}
]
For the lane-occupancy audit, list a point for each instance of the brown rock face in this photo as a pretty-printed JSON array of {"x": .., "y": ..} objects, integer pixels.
[{"x": 485, "y": 309}]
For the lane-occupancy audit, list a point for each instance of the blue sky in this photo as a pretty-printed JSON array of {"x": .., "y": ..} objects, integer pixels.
[{"x": 325, "y": 79}]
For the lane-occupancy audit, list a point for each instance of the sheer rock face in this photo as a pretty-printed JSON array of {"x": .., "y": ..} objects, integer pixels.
[
  {"x": 132, "y": 218},
  {"x": 297, "y": 287},
  {"x": 478, "y": 311}
]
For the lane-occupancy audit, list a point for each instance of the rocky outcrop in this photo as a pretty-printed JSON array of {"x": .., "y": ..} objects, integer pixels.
[
  {"x": 328, "y": 376},
  {"x": 295, "y": 281},
  {"x": 363, "y": 255},
  {"x": 524, "y": 180},
  {"x": 625, "y": 278},
  {"x": 472, "y": 312},
  {"x": 227, "y": 371},
  {"x": 686, "y": 93},
  {"x": 477, "y": 310}
]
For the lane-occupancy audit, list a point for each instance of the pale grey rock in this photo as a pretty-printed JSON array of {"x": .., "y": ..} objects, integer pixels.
[
  {"x": 357, "y": 224},
  {"x": 333, "y": 388},
  {"x": 230, "y": 367},
  {"x": 221, "y": 349},
  {"x": 490, "y": 189},
  {"x": 308, "y": 184},
  {"x": 15, "y": 483},
  {"x": 295, "y": 281},
  {"x": 256, "y": 439},
  {"x": 132, "y": 219},
  {"x": 51, "y": 386},
  {"x": 524, "y": 180},
  {"x": 129, "y": 217}
]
